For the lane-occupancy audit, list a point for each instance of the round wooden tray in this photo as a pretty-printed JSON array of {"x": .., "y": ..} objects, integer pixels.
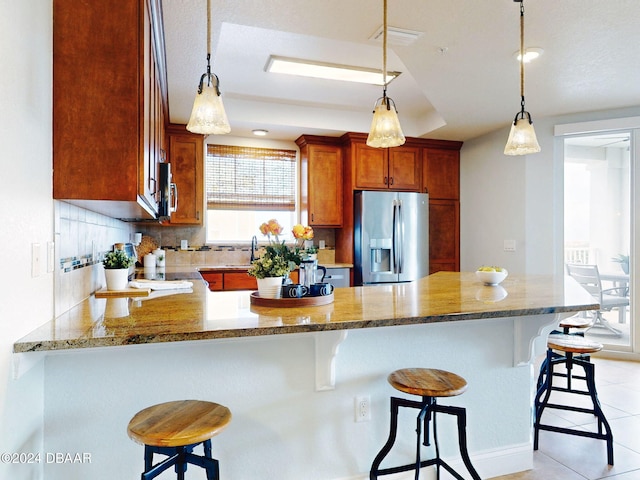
[{"x": 290, "y": 302}]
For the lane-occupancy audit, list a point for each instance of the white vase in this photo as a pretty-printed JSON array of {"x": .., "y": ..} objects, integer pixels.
[
  {"x": 270, "y": 287},
  {"x": 117, "y": 278}
]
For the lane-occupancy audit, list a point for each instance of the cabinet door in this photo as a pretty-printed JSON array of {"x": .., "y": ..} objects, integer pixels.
[
  {"x": 239, "y": 281},
  {"x": 325, "y": 185},
  {"x": 214, "y": 280},
  {"x": 187, "y": 163},
  {"x": 371, "y": 167},
  {"x": 441, "y": 173},
  {"x": 404, "y": 168},
  {"x": 444, "y": 237}
]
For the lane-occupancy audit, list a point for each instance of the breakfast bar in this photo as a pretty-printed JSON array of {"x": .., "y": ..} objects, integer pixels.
[{"x": 291, "y": 375}]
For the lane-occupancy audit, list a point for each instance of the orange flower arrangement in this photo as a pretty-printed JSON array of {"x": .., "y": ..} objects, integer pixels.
[
  {"x": 300, "y": 232},
  {"x": 278, "y": 259}
]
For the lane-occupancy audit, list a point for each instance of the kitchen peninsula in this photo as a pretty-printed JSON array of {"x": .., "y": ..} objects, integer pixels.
[{"x": 293, "y": 394}]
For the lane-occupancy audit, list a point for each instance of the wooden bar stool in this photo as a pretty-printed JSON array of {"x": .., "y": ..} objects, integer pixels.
[
  {"x": 429, "y": 384},
  {"x": 575, "y": 322},
  {"x": 575, "y": 325},
  {"x": 571, "y": 350},
  {"x": 174, "y": 429}
]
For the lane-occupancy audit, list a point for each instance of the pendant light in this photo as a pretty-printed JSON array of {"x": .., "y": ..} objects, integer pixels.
[
  {"x": 522, "y": 137},
  {"x": 208, "y": 116},
  {"x": 385, "y": 126}
]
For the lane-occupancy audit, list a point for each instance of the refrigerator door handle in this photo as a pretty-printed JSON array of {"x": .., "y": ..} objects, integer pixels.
[
  {"x": 400, "y": 227},
  {"x": 397, "y": 240}
]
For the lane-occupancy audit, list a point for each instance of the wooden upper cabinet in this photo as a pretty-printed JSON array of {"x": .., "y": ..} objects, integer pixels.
[
  {"x": 371, "y": 167},
  {"x": 404, "y": 168},
  {"x": 396, "y": 168},
  {"x": 109, "y": 105},
  {"x": 441, "y": 173},
  {"x": 320, "y": 181},
  {"x": 186, "y": 156}
]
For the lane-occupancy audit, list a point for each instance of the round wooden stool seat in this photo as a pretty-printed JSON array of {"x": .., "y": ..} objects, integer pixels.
[
  {"x": 574, "y": 322},
  {"x": 572, "y": 344},
  {"x": 179, "y": 423},
  {"x": 427, "y": 382}
]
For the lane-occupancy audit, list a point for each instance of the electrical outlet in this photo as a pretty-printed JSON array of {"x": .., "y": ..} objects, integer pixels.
[{"x": 362, "y": 408}]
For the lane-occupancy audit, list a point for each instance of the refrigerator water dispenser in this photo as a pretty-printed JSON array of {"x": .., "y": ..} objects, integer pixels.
[{"x": 380, "y": 249}]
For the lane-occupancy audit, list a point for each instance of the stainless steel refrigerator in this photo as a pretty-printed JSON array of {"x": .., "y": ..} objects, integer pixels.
[{"x": 391, "y": 237}]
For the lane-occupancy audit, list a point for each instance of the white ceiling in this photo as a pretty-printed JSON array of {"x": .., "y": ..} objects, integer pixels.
[{"x": 459, "y": 80}]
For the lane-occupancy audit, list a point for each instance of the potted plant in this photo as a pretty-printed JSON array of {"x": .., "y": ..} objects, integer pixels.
[
  {"x": 623, "y": 260},
  {"x": 275, "y": 264},
  {"x": 116, "y": 269}
]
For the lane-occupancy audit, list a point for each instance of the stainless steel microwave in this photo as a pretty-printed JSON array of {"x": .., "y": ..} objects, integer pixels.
[{"x": 168, "y": 202}]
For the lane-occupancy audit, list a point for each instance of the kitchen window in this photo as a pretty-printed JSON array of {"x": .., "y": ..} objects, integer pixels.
[{"x": 246, "y": 186}]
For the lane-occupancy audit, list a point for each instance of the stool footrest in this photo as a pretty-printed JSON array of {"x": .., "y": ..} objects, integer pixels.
[
  {"x": 424, "y": 463},
  {"x": 569, "y": 431}
]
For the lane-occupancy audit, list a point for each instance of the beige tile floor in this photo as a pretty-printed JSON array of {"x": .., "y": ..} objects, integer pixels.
[{"x": 567, "y": 457}]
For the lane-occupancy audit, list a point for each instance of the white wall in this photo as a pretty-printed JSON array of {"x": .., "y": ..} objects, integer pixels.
[
  {"x": 517, "y": 198},
  {"x": 26, "y": 217},
  {"x": 282, "y": 428}
]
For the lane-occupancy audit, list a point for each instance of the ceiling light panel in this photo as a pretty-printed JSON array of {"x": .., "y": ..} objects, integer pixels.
[
  {"x": 396, "y": 36},
  {"x": 327, "y": 71}
]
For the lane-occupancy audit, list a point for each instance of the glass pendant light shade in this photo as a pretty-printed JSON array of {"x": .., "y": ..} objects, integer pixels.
[
  {"x": 385, "y": 127},
  {"x": 522, "y": 138},
  {"x": 208, "y": 116}
]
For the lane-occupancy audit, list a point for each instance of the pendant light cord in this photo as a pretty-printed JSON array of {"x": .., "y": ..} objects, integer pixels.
[
  {"x": 522, "y": 54},
  {"x": 209, "y": 42},
  {"x": 208, "y": 27},
  {"x": 384, "y": 46}
]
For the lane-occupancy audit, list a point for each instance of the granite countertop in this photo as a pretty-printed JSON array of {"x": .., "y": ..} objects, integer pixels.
[{"x": 198, "y": 314}]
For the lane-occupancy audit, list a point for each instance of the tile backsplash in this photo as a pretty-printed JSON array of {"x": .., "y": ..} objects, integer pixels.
[{"x": 81, "y": 238}]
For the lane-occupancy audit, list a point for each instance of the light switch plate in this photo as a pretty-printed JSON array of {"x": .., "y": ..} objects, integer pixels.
[{"x": 509, "y": 245}]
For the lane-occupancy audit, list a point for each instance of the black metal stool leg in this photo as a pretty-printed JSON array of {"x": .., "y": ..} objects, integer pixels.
[
  {"x": 591, "y": 388},
  {"x": 462, "y": 441},
  {"x": 393, "y": 428},
  {"x": 423, "y": 419}
]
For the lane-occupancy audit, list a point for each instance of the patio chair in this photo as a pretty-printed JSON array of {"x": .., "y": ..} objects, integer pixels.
[{"x": 608, "y": 298}]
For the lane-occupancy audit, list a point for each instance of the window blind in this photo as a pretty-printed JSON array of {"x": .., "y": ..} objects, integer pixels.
[{"x": 246, "y": 178}]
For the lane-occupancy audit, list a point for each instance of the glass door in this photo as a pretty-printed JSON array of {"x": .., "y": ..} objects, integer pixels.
[{"x": 598, "y": 226}]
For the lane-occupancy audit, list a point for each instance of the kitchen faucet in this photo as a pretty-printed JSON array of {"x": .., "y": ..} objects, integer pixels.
[{"x": 254, "y": 248}]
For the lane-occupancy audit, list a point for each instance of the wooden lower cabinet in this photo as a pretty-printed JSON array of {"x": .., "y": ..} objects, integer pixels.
[
  {"x": 215, "y": 280},
  {"x": 444, "y": 235},
  {"x": 235, "y": 280},
  {"x": 239, "y": 281}
]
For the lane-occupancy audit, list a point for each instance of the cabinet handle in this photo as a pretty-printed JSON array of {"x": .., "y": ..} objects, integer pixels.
[
  {"x": 385, "y": 180},
  {"x": 390, "y": 180},
  {"x": 312, "y": 217}
]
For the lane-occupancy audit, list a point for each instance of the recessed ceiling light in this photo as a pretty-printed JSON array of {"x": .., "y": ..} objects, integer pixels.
[
  {"x": 529, "y": 54},
  {"x": 327, "y": 71},
  {"x": 260, "y": 132}
]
